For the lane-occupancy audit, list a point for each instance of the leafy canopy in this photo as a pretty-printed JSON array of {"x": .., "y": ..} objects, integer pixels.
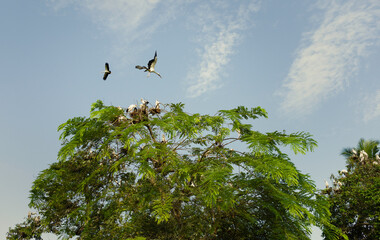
[
  {"x": 355, "y": 195},
  {"x": 170, "y": 174}
]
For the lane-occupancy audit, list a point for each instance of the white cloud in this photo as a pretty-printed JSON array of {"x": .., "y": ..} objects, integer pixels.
[
  {"x": 131, "y": 22},
  {"x": 221, "y": 29},
  {"x": 218, "y": 23},
  {"x": 371, "y": 107},
  {"x": 118, "y": 15},
  {"x": 331, "y": 54}
]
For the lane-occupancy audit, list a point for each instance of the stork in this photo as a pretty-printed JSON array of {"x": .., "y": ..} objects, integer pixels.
[
  {"x": 144, "y": 106},
  {"x": 156, "y": 109},
  {"x": 157, "y": 106},
  {"x": 363, "y": 155},
  {"x": 132, "y": 108},
  {"x": 163, "y": 139},
  {"x": 151, "y": 64},
  {"x": 327, "y": 184},
  {"x": 144, "y": 102},
  {"x": 343, "y": 171},
  {"x": 354, "y": 152},
  {"x": 106, "y": 72}
]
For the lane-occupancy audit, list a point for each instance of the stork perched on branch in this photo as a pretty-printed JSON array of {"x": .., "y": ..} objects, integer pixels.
[
  {"x": 156, "y": 109},
  {"x": 150, "y": 67},
  {"x": 144, "y": 106},
  {"x": 144, "y": 102},
  {"x": 132, "y": 108},
  {"x": 106, "y": 71}
]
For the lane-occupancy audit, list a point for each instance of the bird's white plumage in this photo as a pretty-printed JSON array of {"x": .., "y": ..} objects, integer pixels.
[
  {"x": 106, "y": 71},
  {"x": 145, "y": 102},
  {"x": 150, "y": 67},
  {"x": 131, "y": 108}
]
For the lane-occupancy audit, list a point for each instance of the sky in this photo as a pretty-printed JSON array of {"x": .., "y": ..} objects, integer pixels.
[{"x": 313, "y": 65}]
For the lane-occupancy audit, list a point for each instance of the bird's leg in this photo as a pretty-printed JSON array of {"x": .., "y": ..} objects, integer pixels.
[{"x": 157, "y": 73}]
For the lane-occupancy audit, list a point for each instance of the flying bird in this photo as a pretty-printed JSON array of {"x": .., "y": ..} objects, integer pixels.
[
  {"x": 151, "y": 64},
  {"x": 106, "y": 72}
]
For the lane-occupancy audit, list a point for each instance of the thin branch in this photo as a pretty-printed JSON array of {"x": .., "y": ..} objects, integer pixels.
[
  {"x": 179, "y": 144},
  {"x": 151, "y": 133}
]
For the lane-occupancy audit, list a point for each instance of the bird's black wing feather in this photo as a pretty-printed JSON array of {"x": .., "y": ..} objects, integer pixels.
[
  {"x": 153, "y": 62},
  {"x": 107, "y": 67},
  {"x": 105, "y": 76},
  {"x": 140, "y": 67},
  {"x": 150, "y": 63}
]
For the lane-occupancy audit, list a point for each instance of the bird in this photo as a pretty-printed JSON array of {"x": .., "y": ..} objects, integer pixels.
[
  {"x": 157, "y": 106},
  {"x": 156, "y": 109},
  {"x": 132, "y": 108},
  {"x": 144, "y": 106},
  {"x": 343, "y": 171},
  {"x": 363, "y": 156},
  {"x": 144, "y": 102},
  {"x": 106, "y": 72},
  {"x": 327, "y": 184},
  {"x": 163, "y": 139},
  {"x": 354, "y": 152},
  {"x": 151, "y": 64}
]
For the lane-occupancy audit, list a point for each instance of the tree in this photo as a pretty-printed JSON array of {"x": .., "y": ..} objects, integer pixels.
[
  {"x": 167, "y": 174},
  {"x": 29, "y": 229},
  {"x": 355, "y": 195}
]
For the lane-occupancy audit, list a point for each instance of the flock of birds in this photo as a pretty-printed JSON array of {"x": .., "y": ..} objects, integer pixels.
[
  {"x": 133, "y": 110},
  {"x": 149, "y": 68},
  {"x": 363, "y": 158}
]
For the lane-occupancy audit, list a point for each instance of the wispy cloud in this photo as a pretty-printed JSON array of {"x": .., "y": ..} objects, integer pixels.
[
  {"x": 371, "y": 109},
  {"x": 219, "y": 26},
  {"x": 221, "y": 29},
  {"x": 331, "y": 54},
  {"x": 131, "y": 22}
]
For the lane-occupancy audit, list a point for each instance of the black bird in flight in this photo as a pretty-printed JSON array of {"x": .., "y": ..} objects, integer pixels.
[
  {"x": 151, "y": 64},
  {"x": 106, "y": 72}
]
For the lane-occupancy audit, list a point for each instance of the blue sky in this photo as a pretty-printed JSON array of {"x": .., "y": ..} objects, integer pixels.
[{"x": 313, "y": 65}]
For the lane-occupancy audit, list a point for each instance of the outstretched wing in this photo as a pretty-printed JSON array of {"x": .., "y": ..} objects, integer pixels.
[
  {"x": 107, "y": 67},
  {"x": 141, "y": 67},
  {"x": 105, "y": 76},
  {"x": 152, "y": 62}
]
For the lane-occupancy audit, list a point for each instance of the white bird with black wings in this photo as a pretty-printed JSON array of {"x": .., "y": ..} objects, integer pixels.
[
  {"x": 106, "y": 71},
  {"x": 151, "y": 65}
]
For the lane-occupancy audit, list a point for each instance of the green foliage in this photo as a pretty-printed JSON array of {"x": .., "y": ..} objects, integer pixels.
[
  {"x": 30, "y": 229},
  {"x": 174, "y": 175},
  {"x": 355, "y": 195}
]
